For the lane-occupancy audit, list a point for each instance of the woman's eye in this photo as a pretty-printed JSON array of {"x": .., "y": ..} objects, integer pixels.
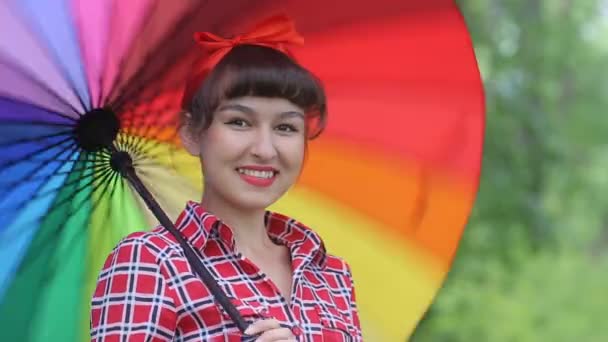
[
  {"x": 237, "y": 123},
  {"x": 287, "y": 128}
]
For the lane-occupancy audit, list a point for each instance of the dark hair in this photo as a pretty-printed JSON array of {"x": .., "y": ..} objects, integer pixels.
[{"x": 251, "y": 70}]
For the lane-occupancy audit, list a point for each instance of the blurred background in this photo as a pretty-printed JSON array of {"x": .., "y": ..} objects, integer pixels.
[{"x": 533, "y": 262}]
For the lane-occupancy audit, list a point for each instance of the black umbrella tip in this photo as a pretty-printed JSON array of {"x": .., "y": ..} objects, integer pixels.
[{"x": 97, "y": 129}]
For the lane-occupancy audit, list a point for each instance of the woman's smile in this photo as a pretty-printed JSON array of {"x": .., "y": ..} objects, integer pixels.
[{"x": 262, "y": 176}]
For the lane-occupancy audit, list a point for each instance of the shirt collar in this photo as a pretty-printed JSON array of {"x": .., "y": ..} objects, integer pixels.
[{"x": 199, "y": 226}]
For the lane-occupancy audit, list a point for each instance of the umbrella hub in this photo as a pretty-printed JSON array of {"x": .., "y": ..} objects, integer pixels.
[
  {"x": 121, "y": 162},
  {"x": 97, "y": 129}
]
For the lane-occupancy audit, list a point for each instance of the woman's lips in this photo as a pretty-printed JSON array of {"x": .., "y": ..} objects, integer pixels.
[{"x": 258, "y": 176}]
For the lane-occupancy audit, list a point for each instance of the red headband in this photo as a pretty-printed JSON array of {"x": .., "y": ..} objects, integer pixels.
[{"x": 275, "y": 32}]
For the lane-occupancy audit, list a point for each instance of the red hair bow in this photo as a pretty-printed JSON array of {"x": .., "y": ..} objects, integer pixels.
[{"x": 276, "y": 32}]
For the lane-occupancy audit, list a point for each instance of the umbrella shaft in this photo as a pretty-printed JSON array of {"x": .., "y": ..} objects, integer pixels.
[{"x": 122, "y": 163}]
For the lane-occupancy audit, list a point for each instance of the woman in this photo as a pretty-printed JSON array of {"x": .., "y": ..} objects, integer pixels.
[{"x": 249, "y": 113}]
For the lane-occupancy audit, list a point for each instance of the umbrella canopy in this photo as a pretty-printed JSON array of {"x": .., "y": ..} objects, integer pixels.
[{"x": 389, "y": 185}]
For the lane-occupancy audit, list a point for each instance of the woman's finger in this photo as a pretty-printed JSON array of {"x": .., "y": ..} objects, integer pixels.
[
  {"x": 262, "y": 325},
  {"x": 276, "y": 335}
]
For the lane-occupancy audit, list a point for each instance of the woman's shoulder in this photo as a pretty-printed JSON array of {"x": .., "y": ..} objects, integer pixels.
[
  {"x": 334, "y": 263},
  {"x": 152, "y": 243},
  {"x": 303, "y": 233},
  {"x": 338, "y": 270}
]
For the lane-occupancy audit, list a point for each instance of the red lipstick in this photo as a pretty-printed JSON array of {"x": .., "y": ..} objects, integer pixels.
[{"x": 258, "y": 175}]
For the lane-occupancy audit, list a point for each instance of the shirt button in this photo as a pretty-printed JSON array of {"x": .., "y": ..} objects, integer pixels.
[{"x": 296, "y": 331}]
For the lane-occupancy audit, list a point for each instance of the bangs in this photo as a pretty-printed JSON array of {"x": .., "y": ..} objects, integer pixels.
[
  {"x": 249, "y": 70},
  {"x": 269, "y": 73}
]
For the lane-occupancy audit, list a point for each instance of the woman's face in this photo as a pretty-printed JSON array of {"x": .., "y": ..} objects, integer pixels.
[{"x": 252, "y": 152}]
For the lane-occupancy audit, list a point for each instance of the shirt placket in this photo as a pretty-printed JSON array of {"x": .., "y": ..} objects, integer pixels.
[
  {"x": 297, "y": 269},
  {"x": 293, "y": 323}
]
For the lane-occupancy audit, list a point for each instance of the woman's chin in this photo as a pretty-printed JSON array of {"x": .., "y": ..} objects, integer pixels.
[{"x": 255, "y": 201}]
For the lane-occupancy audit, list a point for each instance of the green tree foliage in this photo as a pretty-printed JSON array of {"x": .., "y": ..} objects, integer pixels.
[{"x": 533, "y": 262}]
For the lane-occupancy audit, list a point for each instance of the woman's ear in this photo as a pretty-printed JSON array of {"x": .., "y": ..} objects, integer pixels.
[{"x": 190, "y": 140}]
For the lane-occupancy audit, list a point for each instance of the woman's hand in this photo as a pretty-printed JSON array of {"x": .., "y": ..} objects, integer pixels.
[{"x": 270, "y": 331}]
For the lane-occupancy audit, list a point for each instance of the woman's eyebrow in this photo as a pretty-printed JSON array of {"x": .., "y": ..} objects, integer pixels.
[
  {"x": 290, "y": 114},
  {"x": 250, "y": 111},
  {"x": 237, "y": 107}
]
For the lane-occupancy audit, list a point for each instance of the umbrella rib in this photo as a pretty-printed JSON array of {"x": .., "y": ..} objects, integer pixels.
[
  {"x": 45, "y": 178},
  {"x": 103, "y": 184},
  {"x": 145, "y": 111},
  {"x": 134, "y": 141},
  {"x": 147, "y": 151},
  {"x": 159, "y": 126},
  {"x": 170, "y": 151},
  {"x": 131, "y": 122},
  {"x": 33, "y": 153},
  {"x": 36, "y": 139},
  {"x": 37, "y": 122},
  {"x": 131, "y": 119},
  {"x": 139, "y": 79},
  {"x": 108, "y": 211},
  {"x": 106, "y": 54},
  {"x": 55, "y": 232},
  {"x": 54, "y": 56},
  {"x": 132, "y": 92},
  {"x": 95, "y": 204},
  {"x": 90, "y": 181},
  {"x": 90, "y": 271},
  {"x": 36, "y": 191},
  {"x": 149, "y": 159},
  {"x": 47, "y": 192},
  {"x": 70, "y": 149},
  {"x": 15, "y": 101},
  {"x": 149, "y": 163},
  {"x": 121, "y": 184},
  {"x": 138, "y": 141},
  {"x": 48, "y": 243},
  {"x": 89, "y": 158},
  {"x": 119, "y": 77},
  {"x": 126, "y": 139},
  {"x": 41, "y": 85},
  {"x": 134, "y": 120}
]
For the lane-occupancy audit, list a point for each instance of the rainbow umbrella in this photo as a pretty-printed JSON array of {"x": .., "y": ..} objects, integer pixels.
[{"x": 389, "y": 185}]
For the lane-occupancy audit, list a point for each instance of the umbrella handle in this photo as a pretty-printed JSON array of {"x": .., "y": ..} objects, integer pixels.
[{"x": 122, "y": 162}]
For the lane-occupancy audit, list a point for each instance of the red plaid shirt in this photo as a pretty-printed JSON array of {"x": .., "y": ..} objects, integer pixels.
[{"x": 147, "y": 291}]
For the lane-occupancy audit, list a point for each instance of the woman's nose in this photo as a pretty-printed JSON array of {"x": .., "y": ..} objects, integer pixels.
[{"x": 263, "y": 146}]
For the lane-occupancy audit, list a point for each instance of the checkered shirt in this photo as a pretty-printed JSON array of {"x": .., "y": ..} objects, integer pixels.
[{"x": 147, "y": 290}]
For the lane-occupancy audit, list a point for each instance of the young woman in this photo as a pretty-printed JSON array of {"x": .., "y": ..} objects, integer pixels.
[{"x": 249, "y": 116}]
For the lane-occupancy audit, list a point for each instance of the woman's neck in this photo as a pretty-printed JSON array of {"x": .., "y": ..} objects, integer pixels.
[{"x": 247, "y": 225}]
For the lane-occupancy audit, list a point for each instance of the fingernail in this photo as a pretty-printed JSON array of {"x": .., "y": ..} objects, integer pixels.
[{"x": 248, "y": 330}]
